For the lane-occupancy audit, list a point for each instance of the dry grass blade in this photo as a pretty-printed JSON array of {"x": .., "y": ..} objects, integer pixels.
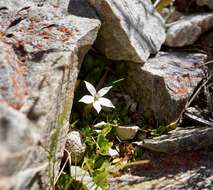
[
  {"x": 197, "y": 118},
  {"x": 62, "y": 169}
]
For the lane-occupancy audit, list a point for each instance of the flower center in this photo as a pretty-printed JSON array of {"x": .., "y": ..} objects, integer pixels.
[{"x": 96, "y": 98}]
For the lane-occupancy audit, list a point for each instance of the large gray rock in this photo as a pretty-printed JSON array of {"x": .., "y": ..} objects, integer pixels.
[
  {"x": 189, "y": 170},
  {"x": 208, "y": 3},
  {"x": 131, "y": 30},
  {"x": 21, "y": 159},
  {"x": 17, "y": 137},
  {"x": 41, "y": 49},
  {"x": 181, "y": 139},
  {"x": 188, "y": 29},
  {"x": 164, "y": 83}
]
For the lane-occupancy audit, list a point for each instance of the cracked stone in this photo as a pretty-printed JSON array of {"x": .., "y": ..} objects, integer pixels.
[
  {"x": 132, "y": 27},
  {"x": 164, "y": 83}
]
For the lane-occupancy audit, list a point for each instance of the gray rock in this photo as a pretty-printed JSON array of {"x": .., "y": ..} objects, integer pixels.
[
  {"x": 18, "y": 136},
  {"x": 188, "y": 29},
  {"x": 19, "y": 139},
  {"x": 75, "y": 146},
  {"x": 124, "y": 180},
  {"x": 174, "y": 16},
  {"x": 208, "y": 3},
  {"x": 192, "y": 179},
  {"x": 81, "y": 8},
  {"x": 188, "y": 170},
  {"x": 131, "y": 30},
  {"x": 25, "y": 179},
  {"x": 164, "y": 83},
  {"x": 181, "y": 139},
  {"x": 41, "y": 50},
  {"x": 206, "y": 42}
]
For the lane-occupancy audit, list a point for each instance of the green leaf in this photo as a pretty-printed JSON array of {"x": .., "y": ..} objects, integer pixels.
[
  {"x": 98, "y": 161},
  {"x": 106, "y": 130},
  {"x": 65, "y": 182},
  {"x": 104, "y": 144},
  {"x": 89, "y": 164},
  {"x": 138, "y": 153},
  {"x": 163, "y": 4},
  {"x": 101, "y": 176},
  {"x": 164, "y": 129}
]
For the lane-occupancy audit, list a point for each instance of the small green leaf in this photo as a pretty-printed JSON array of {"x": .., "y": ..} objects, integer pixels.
[
  {"x": 164, "y": 129},
  {"x": 89, "y": 164},
  {"x": 163, "y": 4},
  {"x": 104, "y": 144},
  {"x": 101, "y": 176},
  {"x": 106, "y": 130}
]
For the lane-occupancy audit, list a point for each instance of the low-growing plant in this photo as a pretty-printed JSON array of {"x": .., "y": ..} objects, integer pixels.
[{"x": 97, "y": 156}]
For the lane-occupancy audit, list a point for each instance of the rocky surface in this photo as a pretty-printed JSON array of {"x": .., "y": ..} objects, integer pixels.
[
  {"x": 206, "y": 42},
  {"x": 81, "y": 8},
  {"x": 187, "y": 170},
  {"x": 188, "y": 29},
  {"x": 164, "y": 83},
  {"x": 208, "y": 3},
  {"x": 75, "y": 146},
  {"x": 131, "y": 30},
  {"x": 125, "y": 180},
  {"x": 174, "y": 16},
  {"x": 42, "y": 45},
  {"x": 17, "y": 138},
  {"x": 181, "y": 139},
  {"x": 41, "y": 49}
]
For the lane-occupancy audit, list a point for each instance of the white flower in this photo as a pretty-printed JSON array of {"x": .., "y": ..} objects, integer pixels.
[
  {"x": 100, "y": 124},
  {"x": 96, "y": 98}
]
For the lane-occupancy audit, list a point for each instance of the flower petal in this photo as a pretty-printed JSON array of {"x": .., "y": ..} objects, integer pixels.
[
  {"x": 90, "y": 88},
  {"x": 104, "y": 90},
  {"x": 87, "y": 99},
  {"x": 106, "y": 102},
  {"x": 100, "y": 124},
  {"x": 97, "y": 106},
  {"x": 113, "y": 152}
]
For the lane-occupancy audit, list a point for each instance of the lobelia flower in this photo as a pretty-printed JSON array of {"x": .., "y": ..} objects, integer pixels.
[{"x": 96, "y": 98}]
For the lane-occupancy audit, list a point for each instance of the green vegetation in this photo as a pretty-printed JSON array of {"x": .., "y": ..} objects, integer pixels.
[
  {"x": 67, "y": 182},
  {"x": 102, "y": 72},
  {"x": 96, "y": 159}
]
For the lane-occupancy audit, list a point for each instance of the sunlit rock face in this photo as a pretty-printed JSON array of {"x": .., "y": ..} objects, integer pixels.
[
  {"x": 41, "y": 49},
  {"x": 164, "y": 83},
  {"x": 131, "y": 30},
  {"x": 181, "y": 139},
  {"x": 188, "y": 29}
]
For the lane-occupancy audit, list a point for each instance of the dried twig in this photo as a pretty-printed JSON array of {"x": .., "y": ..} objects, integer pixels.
[{"x": 193, "y": 97}]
